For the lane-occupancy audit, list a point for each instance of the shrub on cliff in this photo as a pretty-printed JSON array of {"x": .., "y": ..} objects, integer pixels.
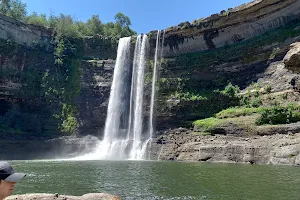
[
  {"x": 40, "y": 20},
  {"x": 231, "y": 90},
  {"x": 280, "y": 115}
]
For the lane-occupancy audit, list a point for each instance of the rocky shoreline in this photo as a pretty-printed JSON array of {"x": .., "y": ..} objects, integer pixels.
[{"x": 184, "y": 145}]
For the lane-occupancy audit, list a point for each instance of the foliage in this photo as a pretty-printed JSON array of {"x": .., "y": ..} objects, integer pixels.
[
  {"x": 193, "y": 105},
  {"x": 274, "y": 53},
  {"x": 52, "y": 92},
  {"x": 66, "y": 26},
  {"x": 251, "y": 98},
  {"x": 237, "y": 112},
  {"x": 280, "y": 115},
  {"x": 14, "y": 9},
  {"x": 40, "y": 20},
  {"x": 231, "y": 90},
  {"x": 207, "y": 124},
  {"x": 187, "y": 96},
  {"x": 62, "y": 85},
  {"x": 185, "y": 26},
  {"x": 94, "y": 25},
  {"x": 268, "y": 89}
]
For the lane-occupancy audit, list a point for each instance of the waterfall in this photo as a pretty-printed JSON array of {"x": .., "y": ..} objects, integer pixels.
[
  {"x": 116, "y": 99},
  {"x": 124, "y": 136},
  {"x": 157, "y": 58},
  {"x": 137, "y": 89}
]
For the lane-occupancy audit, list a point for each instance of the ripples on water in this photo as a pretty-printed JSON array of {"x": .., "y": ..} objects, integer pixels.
[{"x": 160, "y": 180}]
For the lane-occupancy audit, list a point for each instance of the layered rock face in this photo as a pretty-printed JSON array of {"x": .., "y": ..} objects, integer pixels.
[
  {"x": 96, "y": 79},
  {"x": 183, "y": 145},
  {"x": 232, "y": 142},
  {"x": 230, "y": 27},
  {"x": 21, "y": 33},
  {"x": 26, "y": 55}
]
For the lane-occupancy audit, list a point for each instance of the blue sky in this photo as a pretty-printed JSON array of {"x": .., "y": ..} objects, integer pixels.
[{"x": 145, "y": 15}]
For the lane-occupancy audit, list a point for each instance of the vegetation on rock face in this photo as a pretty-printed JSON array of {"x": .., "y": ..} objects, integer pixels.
[
  {"x": 206, "y": 124},
  {"x": 62, "y": 82},
  {"x": 280, "y": 115},
  {"x": 237, "y": 112},
  {"x": 48, "y": 88},
  {"x": 65, "y": 25},
  {"x": 262, "y": 115}
]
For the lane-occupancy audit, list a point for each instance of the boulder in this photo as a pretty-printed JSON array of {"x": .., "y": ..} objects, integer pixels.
[
  {"x": 92, "y": 196},
  {"x": 292, "y": 58}
]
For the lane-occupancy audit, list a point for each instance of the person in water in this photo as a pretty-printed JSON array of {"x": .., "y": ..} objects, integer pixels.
[{"x": 8, "y": 179}]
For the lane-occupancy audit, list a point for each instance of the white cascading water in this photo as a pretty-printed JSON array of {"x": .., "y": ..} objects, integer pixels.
[
  {"x": 141, "y": 49},
  {"x": 113, "y": 144},
  {"x": 124, "y": 140},
  {"x": 157, "y": 58}
]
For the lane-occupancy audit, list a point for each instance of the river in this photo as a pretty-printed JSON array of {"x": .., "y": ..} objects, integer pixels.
[{"x": 149, "y": 180}]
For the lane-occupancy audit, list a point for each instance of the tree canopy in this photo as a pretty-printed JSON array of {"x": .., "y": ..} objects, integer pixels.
[
  {"x": 13, "y": 8},
  {"x": 65, "y": 25}
]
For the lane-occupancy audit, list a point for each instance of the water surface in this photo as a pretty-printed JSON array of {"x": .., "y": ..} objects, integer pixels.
[{"x": 160, "y": 180}]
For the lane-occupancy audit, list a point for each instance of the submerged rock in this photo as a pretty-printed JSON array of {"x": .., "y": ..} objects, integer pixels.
[{"x": 92, "y": 196}]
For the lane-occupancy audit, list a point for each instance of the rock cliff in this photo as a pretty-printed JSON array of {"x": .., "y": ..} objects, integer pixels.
[
  {"x": 23, "y": 34},
  {"x": 183, "y": 145},
  {"x": 229, "y": 27},
  {"x": 27, "y": 55},
  {"x": 250, "y": 43},
  {"x": 96, "y": 79}
]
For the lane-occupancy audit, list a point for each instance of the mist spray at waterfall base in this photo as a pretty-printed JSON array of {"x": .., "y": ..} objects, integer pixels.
[{"x": 124, "y": 135}]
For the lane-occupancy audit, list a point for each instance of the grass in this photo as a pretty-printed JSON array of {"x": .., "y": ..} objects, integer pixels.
[
  {"x": 206, "y": 125},
  {"x": 237, "y": 112}
]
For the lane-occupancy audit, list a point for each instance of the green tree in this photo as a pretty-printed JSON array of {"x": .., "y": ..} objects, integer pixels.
[
  {"x": 108, "y": 29},
  {"x": 82, "y": 28},
  {"x": 122, "y": 19},
  {"x": 36, "y": 19},
  {"x": 65, "y": 26},
  {"x": 94, "y": 25},
  {"x": 121, "y": 27},
  {"x": 14, "y": 9},
  {"x": 52, "y": 21}
]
